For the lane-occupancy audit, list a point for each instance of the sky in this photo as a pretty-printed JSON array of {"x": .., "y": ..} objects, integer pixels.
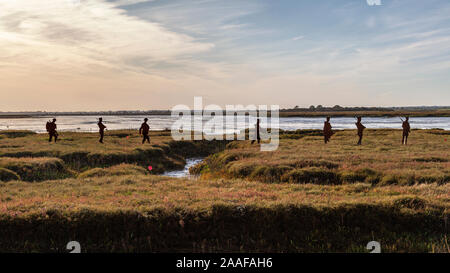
[{"x": 90, "y": 55}]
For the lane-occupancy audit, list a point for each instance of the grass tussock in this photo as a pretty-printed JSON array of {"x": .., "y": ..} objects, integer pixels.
[
  {"x": 413, "y": 202},
  {"x": 35, "y": 169},
  {"x": 117, "y": 170},
  {"x": 8, "y": 175},
  {"x": 312, "y": 175}
]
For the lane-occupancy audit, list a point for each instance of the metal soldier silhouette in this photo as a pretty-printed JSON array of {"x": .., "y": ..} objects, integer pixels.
[
  {"x": 327, "y": 132},
  {"x": 406, "y": 130},
  {"x": 51, "y": 129},
  {"x": 144, "y": 130},
  {"x": 360, "y": 129},
  {"x": 101, "y": 128},
  {"x": 257, "y": 132}
]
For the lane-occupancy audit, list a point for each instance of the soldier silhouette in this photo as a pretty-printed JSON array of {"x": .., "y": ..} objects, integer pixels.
[
  {"x": 360, "y": 129},
  {"x": 257, "y": 132},
  {"x": 144, "y": 130},
  {"x": 406, "y": 130},
  {"x": 327, "y": 132},
  {"x": 51, "y": 129},
  {"x": 101, "y": 128}
]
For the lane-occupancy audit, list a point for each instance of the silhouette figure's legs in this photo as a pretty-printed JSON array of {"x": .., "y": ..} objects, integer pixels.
[
  {"x": 146, "y": 137},
  {"x": 101, "y": 137},
  {"x": 51, "y": 136},
  {"x": 406, "y": 140},
  {"x": 360, "y": 139}
]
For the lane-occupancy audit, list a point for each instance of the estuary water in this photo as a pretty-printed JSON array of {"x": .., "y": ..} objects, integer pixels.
[
  {"x": 184, "y": 172},
  {"x": 89, "y": 123}
]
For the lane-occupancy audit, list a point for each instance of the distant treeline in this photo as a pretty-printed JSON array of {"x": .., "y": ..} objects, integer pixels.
[
  {"x": 338, "y": 108},
  {"x": 338, "y": 111},
  {"x": 312, "y": 111}
]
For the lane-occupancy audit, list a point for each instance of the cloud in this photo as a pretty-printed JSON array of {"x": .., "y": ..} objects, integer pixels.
[
  {"x": 87, "y": 37},
  {"x": 298, "y": 38},
  {"x": 129, "y": 2},
  {"x": 126, "y": 53}
]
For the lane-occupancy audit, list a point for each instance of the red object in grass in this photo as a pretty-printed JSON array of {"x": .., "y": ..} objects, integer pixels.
[
  {"x": 150, "y": 168},
  {"x": 128, "y": 137}
]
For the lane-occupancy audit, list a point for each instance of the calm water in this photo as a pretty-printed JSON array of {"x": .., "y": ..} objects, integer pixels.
[
  {"x": 185, "y": 172},
  {"x": 89, "y": 123}
]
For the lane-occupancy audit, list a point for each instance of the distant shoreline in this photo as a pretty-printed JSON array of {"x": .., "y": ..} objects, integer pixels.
[
  {"x": 283, "y": 113},
  {"x": 439, "y": 113},
  {"x": 15, "y": 116}
]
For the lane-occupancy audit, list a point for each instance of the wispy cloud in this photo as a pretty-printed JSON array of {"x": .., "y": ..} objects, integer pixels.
[
  {"x": 126, "y": 2},
  {"x": 95, "y": 33},
  {"x": 253, "y": 51},
  {"x": 296, "y": 38}
]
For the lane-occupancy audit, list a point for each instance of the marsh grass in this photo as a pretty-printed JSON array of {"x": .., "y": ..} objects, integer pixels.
[
  {"x": 35, "y": 169},
  {"x": 117, "y": 170},
  {"x": 8, "y": 175},
  {"x": 15, "y": 133},
  {"x": 381, "y": 160},
  {"x": 304, "y": 197},
  {"x": 153, "y": 213},
  {"x": 33, "y": 158}
]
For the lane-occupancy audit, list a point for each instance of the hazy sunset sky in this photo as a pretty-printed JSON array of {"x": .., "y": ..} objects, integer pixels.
[{"x": 67, "y": 55}]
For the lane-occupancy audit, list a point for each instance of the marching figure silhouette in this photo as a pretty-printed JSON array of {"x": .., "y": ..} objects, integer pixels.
[
  {"x": 101, "y": 128},
  {"x": 144, "y": 130},
  {"x": 360, "y": 129},
  {"x": 51, "y": 129},
  {"x": 257, "y": 132},
  {"x": 327, "y": 132},
  {"x": 406, "y": 130}
]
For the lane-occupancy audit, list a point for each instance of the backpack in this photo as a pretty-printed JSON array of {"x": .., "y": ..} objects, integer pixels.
[{"x": 48, "y": 126}]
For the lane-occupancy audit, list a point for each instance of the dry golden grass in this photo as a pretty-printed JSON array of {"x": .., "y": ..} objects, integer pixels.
[
  {"x": 147, "y": 192},
  {"x": 154, "y": 213},
  {"x": 120, "y": 141},
  {"x": 81, "y": 151},
  {"x": 380, "y": 160},
  {"x": 111, "y": 205}
]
